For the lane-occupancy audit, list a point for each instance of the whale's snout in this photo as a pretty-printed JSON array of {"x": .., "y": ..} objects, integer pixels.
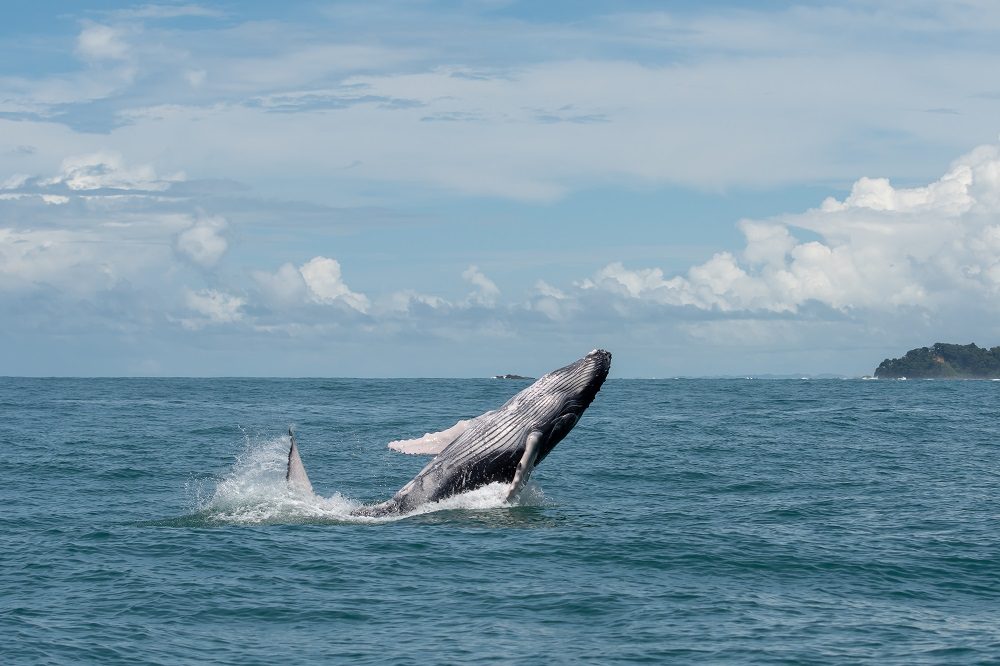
[
  {"x": 580, "y": 381},
  {"x": 602, "y": 359},
  {"x": 595, "y": 366}
]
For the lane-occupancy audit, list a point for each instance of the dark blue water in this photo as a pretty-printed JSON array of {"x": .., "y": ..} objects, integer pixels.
[{"x": 685, "y": 521}]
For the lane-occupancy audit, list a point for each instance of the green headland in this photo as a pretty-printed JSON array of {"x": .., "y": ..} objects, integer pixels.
[{"x": 943, "y": 361}]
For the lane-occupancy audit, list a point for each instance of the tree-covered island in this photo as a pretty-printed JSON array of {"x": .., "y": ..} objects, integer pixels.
[{"x": 943, "y": 361}]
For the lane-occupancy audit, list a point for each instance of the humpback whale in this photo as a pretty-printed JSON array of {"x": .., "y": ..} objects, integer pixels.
[{"x": 503, "y": 445}]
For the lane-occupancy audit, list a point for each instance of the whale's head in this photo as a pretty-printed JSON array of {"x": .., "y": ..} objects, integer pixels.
[{"x": 568, "y": 392}]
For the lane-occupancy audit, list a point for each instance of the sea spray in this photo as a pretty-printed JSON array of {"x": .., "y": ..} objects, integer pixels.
[{"x": 254, "y": 492}]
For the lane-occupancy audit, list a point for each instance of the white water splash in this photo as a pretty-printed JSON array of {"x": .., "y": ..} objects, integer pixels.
[{"x": 254, "y": 492}]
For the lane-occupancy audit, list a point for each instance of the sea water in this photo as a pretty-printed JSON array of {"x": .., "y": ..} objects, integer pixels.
[{"x": 682, "y": 521}]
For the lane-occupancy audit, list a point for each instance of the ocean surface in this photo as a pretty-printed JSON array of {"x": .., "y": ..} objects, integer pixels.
[{"x": 682, "y": 521}]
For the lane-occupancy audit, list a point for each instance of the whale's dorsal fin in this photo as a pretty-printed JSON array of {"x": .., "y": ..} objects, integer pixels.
[
  {"x": 434, "y": 443},
  {"x": 295, "y": 474}
]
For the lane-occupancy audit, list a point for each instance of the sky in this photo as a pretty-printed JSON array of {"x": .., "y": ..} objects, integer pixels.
[{"x": 462, "y": 189}]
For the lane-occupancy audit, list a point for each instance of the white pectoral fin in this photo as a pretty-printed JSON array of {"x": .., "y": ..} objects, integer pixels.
[
  {"x": 433, "y": 443},
  {"x": 526, "y": 465},
  {"x": 295, "y": 474}
]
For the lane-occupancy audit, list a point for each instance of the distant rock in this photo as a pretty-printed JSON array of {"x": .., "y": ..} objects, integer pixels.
[
  {"x": 943, "y": 361},
  {"x": 511, "y": 377}
]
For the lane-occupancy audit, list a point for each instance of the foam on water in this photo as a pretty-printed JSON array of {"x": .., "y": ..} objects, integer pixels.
[{"x": 254, "y": 491}]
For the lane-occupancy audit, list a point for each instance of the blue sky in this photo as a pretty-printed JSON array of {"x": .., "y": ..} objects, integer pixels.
[{"x": 470, "y": 188}]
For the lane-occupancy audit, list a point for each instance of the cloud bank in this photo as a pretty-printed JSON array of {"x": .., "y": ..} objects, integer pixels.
[
  {"x": 710, "y": 100},
  {"x": 880, "y": 248},
  {"x": 883, "y": 260}
]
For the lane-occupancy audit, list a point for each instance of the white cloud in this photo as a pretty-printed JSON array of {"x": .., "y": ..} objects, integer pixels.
[
  {"x": 553, "y": 302},
  {"x": 51, "y": 199},
  {"x": 107, "y": 169},
  {"x": 405, "y": 300},
  {"x": 546, "y": 290},
  {"x": 15, "y": 182},
  {"x": 101, "y": 42},
  {"x": 323, "y": 278},
  {"x": 155, "y": 11},
  {"x": 882, "y": 247},
  {"x": 319, "y": 280},
  {"x": 698, "y": 98},
  {"x": 949, "y": 196},
  {"x": 486, "y": 292},
  {"x": 636, "y": 284},
  {"x": 77, "y": 262},
  {"x": 283, "y": 288},
  {"x": 203, "y": 243},
  {"x": 702, "y": 98},
  {"x": 215, "y": 307},
  {"x": 84, "y": 177}
]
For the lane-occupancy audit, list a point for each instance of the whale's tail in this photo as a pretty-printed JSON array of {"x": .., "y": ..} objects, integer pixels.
[{"x": 295, "y": 474}]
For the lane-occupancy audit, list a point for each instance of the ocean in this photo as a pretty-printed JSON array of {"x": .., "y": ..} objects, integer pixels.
[{"x": 682, "y": 521}]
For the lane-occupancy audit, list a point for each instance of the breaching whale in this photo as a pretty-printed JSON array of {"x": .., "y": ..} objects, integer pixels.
[{"x": 503, "y": 445}]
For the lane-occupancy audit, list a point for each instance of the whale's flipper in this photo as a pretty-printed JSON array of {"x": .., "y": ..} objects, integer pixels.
[
  {"x": 526, "y": 465},
  {"x": 434, "y": 443},
  {"x": 296, "y": 475}
]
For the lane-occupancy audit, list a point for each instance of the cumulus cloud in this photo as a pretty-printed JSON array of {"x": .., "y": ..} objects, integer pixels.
[
  {"x": 552, "y": 302},
  {"x": 98, "y": 42},
  {"x": 323, "y": 278},
  {"x": 916, "y": 253},
  {"x": 407, "y": 299},
  {"x": 214, "y": 307},
  {"x": 319, "y": 280},
  {"x": 486, "y": 292},
  {"x": 203, "y": 243},
  {"x": 880, "y": 247},
  {"x": 283, "y": 288}
]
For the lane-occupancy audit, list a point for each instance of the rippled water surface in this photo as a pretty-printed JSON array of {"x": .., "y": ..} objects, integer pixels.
[{"x": 683, "y": 521}]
